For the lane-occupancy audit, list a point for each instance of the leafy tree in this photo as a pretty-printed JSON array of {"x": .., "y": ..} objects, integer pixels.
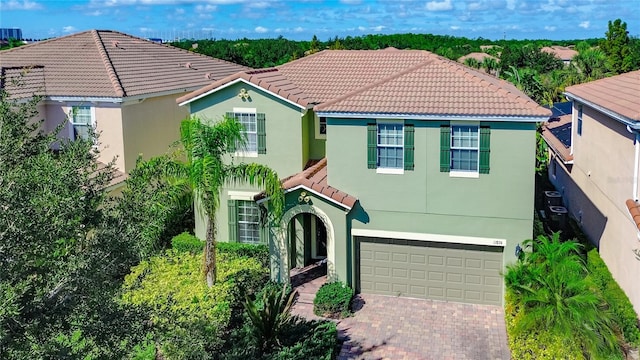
[
  {"x": 62, "y": 253},
  {"x": 204, "y": 173},
  {"x": 551, "y": 287},
  {"x": 617, "y": 48},
  {"x": 590, "y": 62}
]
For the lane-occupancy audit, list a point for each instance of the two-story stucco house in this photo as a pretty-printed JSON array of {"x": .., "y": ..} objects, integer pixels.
[
  {"x": 595, "y": 165},
  {"x": 123, "y": 86},
  {"x": 410, "y": 173}
]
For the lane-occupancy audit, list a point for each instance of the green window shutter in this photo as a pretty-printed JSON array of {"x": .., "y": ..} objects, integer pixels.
[
  {"x": 231, "y": 115},
  {"x": 233, "y": 220},
  {"x": 485, "y": 149},
  {"x": 445, "y": 148},
  {"x": 372, "y": 146},
  {"x": 262, "y": 134},
  {"x": 408, "y": 147}
]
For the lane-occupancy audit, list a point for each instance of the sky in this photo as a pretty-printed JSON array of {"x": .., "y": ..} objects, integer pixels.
[{"x": 301, "y": 19}]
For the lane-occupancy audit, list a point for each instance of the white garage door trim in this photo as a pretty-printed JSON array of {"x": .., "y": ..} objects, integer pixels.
[{"x": 469, "y": 240}]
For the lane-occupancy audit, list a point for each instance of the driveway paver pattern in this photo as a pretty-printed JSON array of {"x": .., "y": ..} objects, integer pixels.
[{"x": 386, "y": 327}]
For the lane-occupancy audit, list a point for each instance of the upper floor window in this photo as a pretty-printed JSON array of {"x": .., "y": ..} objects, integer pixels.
[
  {"x": 82, "y": 119},
  {"x": 254, "y": 130},
  {"x": 390, "y": 147},
  {"x": 465, "y": 149},
  {"x": 579, "y": 128},
  {"x": 320, "y": 127}
]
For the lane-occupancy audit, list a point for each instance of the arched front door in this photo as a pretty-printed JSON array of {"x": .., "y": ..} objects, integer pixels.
[{"x": 307, "y": 240}]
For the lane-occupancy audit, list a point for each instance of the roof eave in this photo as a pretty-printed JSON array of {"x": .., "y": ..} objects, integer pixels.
[
  {"x": 187, "y": 100},
  {"x": 632, "y": 123},
  {"x": 496, "y": 118},
  {"x": 318, "y": 194}
]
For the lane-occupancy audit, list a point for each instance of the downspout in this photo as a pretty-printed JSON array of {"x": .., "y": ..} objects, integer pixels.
[{"x": 636, "y": 165}]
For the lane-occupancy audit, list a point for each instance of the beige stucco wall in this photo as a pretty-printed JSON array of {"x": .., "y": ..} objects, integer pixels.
[
  {"x": 150, "y": 127},
  {"x": 595, "y": 190}
]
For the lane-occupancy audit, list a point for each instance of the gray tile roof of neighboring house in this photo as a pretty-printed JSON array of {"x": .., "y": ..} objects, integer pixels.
[
  {"x": 618, "y": 94},
  {"x": 102, "y": 63},
  {"x": 387, "y": 81},
  {"x": 557, "y": 134}
]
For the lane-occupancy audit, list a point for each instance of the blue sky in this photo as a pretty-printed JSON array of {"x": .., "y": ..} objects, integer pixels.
[{"x": 301, "y": 19}]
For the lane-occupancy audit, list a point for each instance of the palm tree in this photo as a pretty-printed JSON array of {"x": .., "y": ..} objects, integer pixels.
[
  {"x": 491, "y": 65},
  {"x": 550, "y": 285},
  {"x": 204, "y": 173}
]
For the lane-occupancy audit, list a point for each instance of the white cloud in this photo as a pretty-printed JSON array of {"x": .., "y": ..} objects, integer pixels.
[
  {"x": 585, "y": 24},
  {"x": 454, "y": 27},
  {"x": 261, "y": 29},
  {"x": 378, "y": 28},
  {"x": 351, "y": 2},
  {"x": 439, "y": 5},
  {"x": 299, "y": 29},
  {"x": 180, "y": 11},
  {"x": 20, "y": 5},
  {"x": 550, "y": 28},
  {"x": 96, "y": 13},
  {"x": 511, "y": 4},
  {"x": 68, "y": 29},
  {"x": 205, "y": 8},
  {"x": 145, "y": 30},
  {"x": 362, "y": 28}
]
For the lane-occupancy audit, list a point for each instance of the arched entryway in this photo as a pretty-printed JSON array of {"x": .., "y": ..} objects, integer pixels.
[{"x": 306, "y": 238}]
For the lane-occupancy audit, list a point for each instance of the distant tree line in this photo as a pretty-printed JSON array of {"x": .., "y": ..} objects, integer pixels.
[{"x": 539, "y": 74}]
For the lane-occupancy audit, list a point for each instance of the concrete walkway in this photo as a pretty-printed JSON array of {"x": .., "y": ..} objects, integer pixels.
[{"x": 386, "y": 327}]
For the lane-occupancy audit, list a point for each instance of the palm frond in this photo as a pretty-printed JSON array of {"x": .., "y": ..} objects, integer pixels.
[{"x": 261, "y": 176}]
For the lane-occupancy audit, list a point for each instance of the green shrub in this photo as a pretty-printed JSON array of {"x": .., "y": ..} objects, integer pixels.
[
  {"x": 333, "y": 299},
  {"x": 620, "y": 306},
  {"x": 541, "y": 344},
  {"x": 190, "y": 320},
  {"x": 234, "y": 249},
  {"x": 269, "y": 320},
  {"x": 186, "y": 242}
]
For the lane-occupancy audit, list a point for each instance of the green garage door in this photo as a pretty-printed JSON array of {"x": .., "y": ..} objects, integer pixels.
[{"x": 429, "y": 270}]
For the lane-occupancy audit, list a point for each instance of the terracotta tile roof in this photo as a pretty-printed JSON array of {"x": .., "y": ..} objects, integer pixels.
[
  {"x": 390, "y": 81},
  {"x": 617, "y": 93},
  {"x": 270, "y": 79},
  {"x": 438, "y": 86},
  {"x": 476, "y": 55},
  {"x": 105, "y": 63},
  {"x": 634, "y": 210},
  {"x": 22, "y": 82},
  {"x": 561, "y": 52},
  {"x": 557, "y": 134},
  {"x": 314, "y": 179}
]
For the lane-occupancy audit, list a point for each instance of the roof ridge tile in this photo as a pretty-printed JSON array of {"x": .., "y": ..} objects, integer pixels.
[{"x": 111, "y": 71}]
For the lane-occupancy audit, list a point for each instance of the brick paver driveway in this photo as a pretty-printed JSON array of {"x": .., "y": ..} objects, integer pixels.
[{"x": 385, "y": 327}]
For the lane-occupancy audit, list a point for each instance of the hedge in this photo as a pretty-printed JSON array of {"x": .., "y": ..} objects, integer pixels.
[
  {"x": 539, "y": 345},
  {"x": 623, "y": 312},
  {"x": 186, "y": 242}
]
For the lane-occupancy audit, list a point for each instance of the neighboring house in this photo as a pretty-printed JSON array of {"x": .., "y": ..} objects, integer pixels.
[
  {"x": 595, "y": 165},
  {"x": 478, "y": 56},
  {"x": 561, "y": 52},
  {"x": 411, "y": 174},
  {"x": 122, "y": 85}
]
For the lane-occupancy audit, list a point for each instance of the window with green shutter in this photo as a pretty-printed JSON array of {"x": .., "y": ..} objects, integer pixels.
[
  {"x": 262, "y": 134},
  {"x": 408, "y": 147},
  {"x": 445, "y": 148},
  {"x": 485, "y": 149},
  {"x": 233, "y": 220},
  {"x": 372, "y": 142}
]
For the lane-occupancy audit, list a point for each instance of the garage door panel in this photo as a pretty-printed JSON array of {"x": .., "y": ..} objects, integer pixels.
[{"x": 453, "y": 272}]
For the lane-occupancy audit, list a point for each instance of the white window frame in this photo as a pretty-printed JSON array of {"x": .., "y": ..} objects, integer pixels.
[
  {"x": 464, "y": 173},
  {"x": 248, "y": 152},
  {"x": 579, "y": 123},
  {"x": 242, "y": 205},
  {"x": 72, "y": 123},
  {"x": 317, "y": 124},
  {"x": 387, "y": 170}
]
